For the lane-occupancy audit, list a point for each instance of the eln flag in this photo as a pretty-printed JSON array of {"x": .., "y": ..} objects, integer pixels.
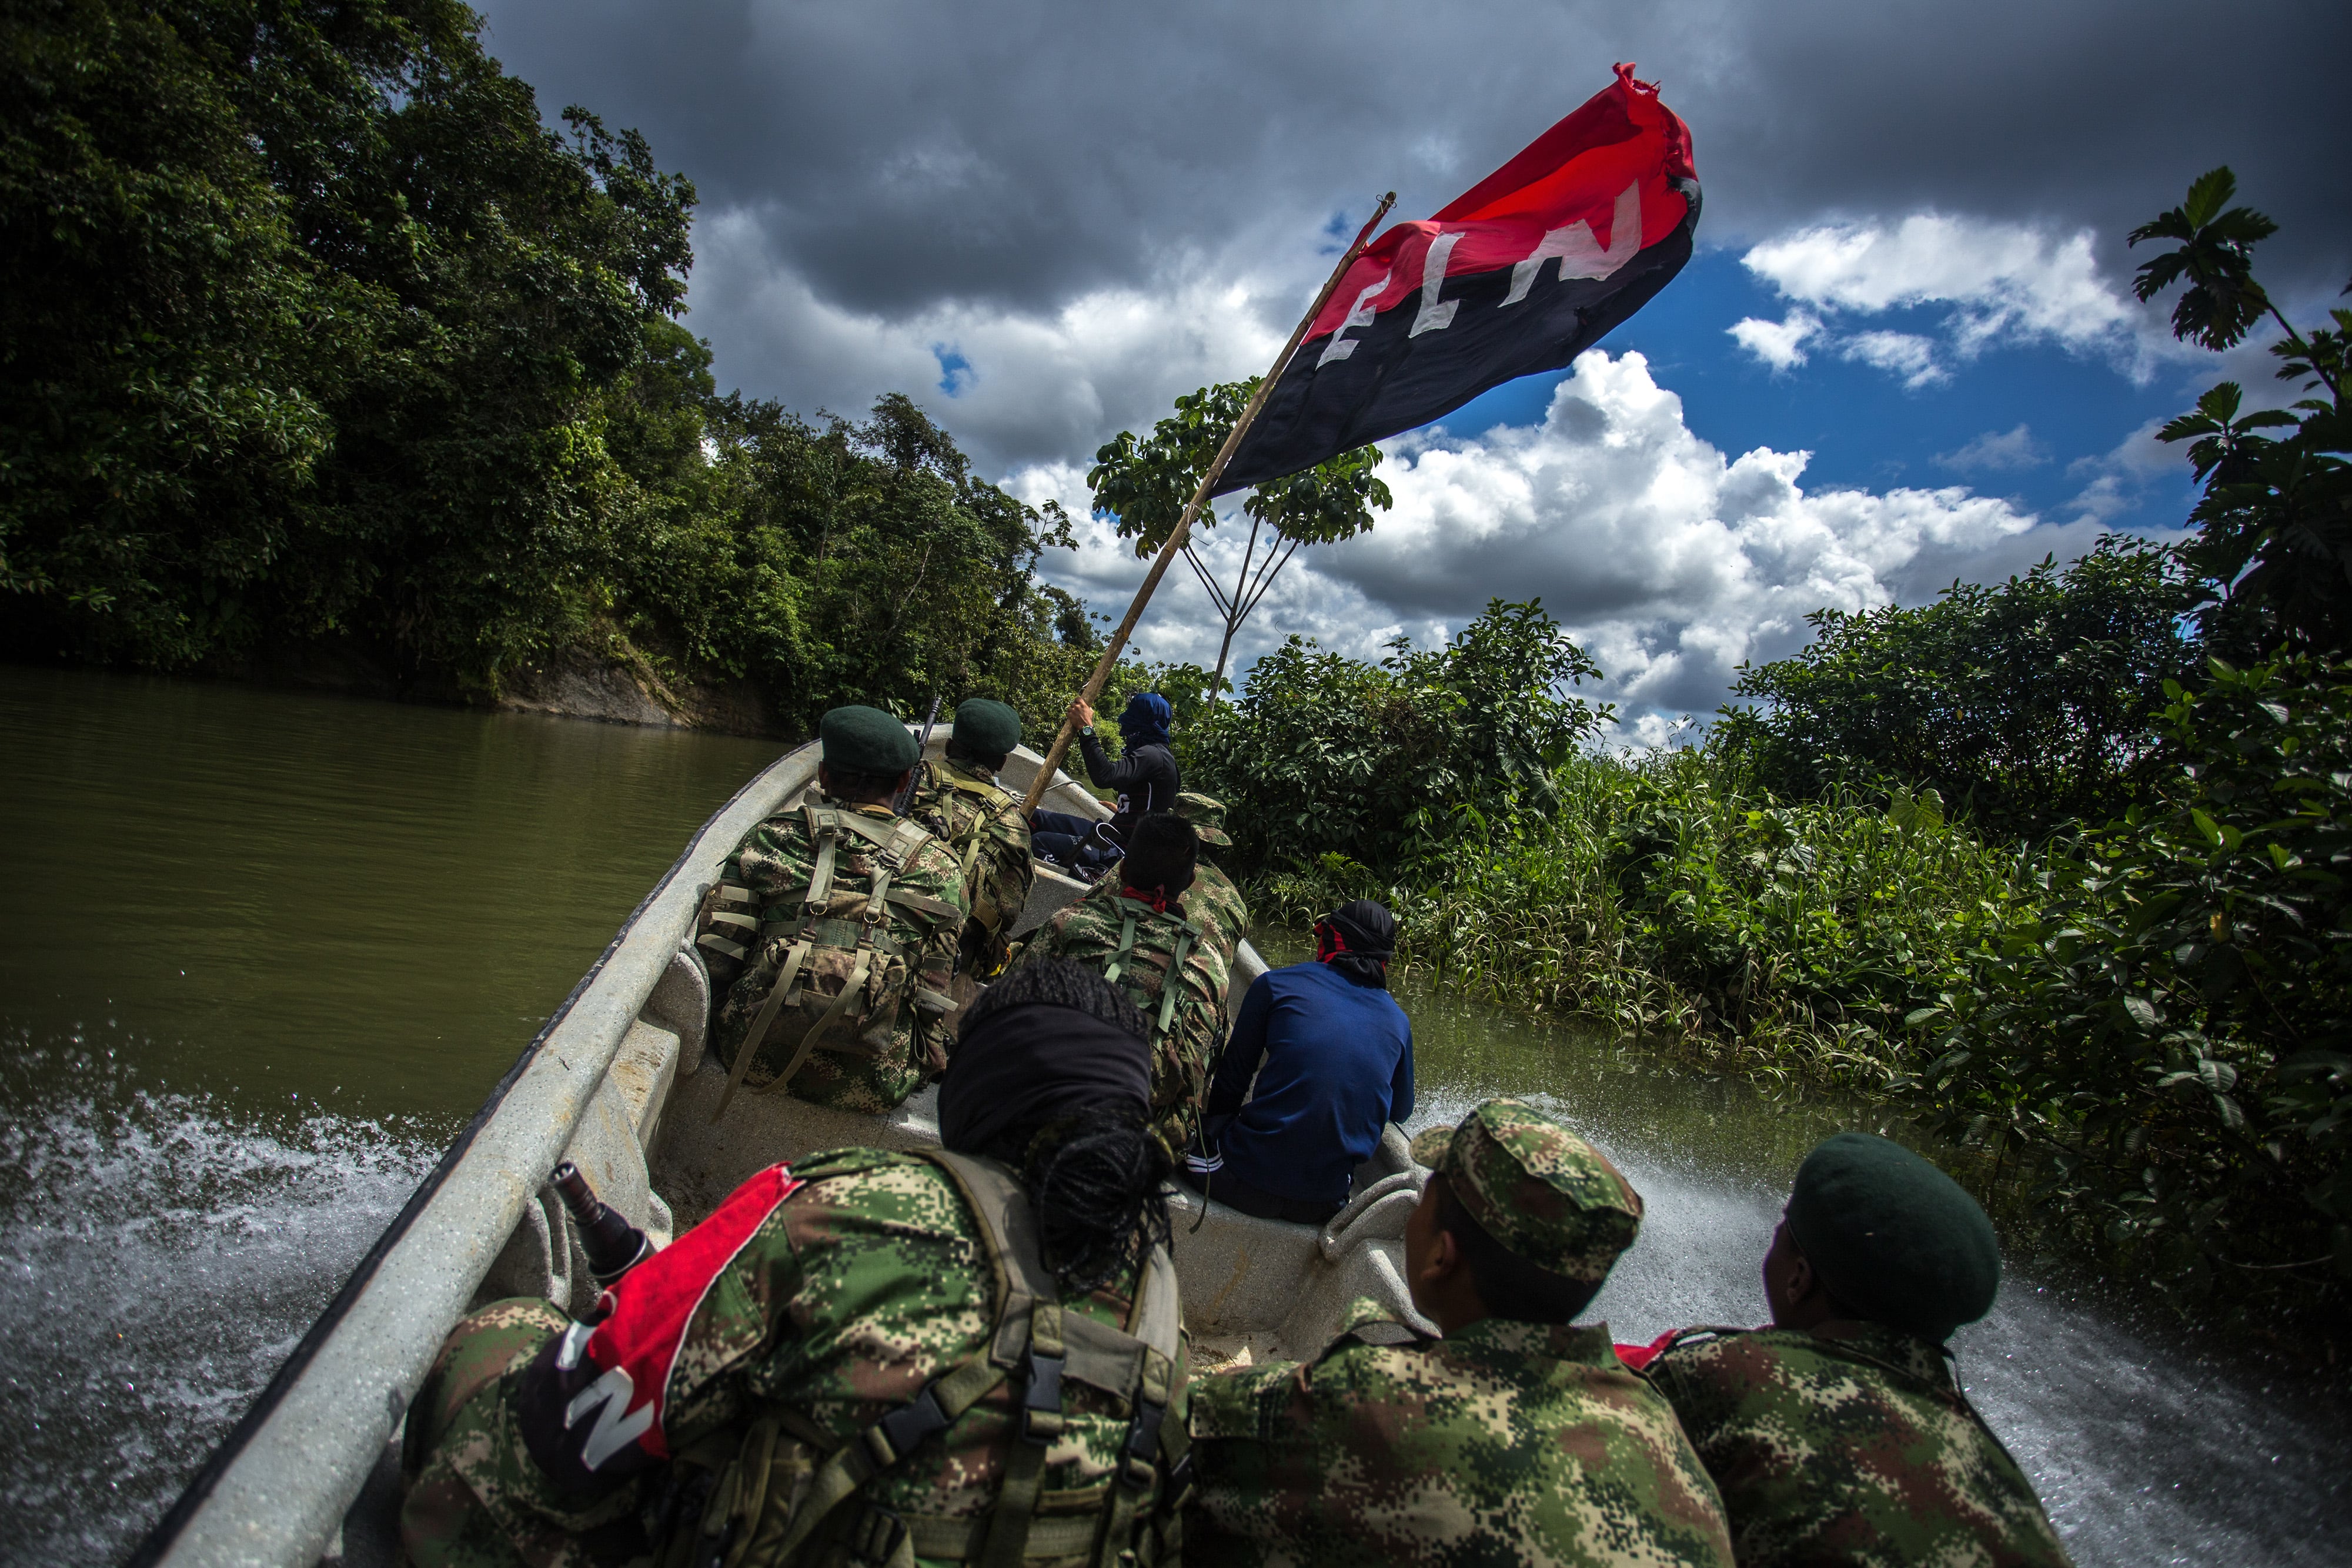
[{"x": 1522, "y": 274}]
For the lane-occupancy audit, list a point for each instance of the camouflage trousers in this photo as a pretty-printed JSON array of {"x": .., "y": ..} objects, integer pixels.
[{"x": 474, "y": 1497}]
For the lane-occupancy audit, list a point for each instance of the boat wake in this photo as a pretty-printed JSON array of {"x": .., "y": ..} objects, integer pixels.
[{"x": 161, "y": 1251}]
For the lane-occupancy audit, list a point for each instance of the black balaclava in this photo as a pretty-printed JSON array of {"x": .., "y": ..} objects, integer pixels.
[
  {"x": 1358, "y": 939},
  {"x": 1024, "y": 1067}
]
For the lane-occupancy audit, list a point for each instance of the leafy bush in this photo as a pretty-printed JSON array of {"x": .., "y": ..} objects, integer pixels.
[
  {"x": 2172, "y": 1029},
  {"x": 2028, "y": 705}
]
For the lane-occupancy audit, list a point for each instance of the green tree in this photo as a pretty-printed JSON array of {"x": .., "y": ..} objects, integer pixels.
[
  {"x": 2274, "y": 522},
  {"x": 1413, "y": 758},
  {"x": 1145, "y": 483},
  {"x": 307, "y": 315},
  {"x": 2032, "y": 701}
]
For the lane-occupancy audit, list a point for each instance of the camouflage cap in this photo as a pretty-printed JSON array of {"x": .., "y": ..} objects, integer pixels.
[
  {"x": 1544, "y": 1192},
  {"x": 866, "y": 740},
  {"x": 1206, "y": 815}
]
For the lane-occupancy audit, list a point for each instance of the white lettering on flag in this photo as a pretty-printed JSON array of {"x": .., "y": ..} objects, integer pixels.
[
  {"x": 1360, "y": 315},
  {"x": 608, "y": 1397},
  {"x": 1435, "y": 314},
  {"x": 1582, "y": 256}
]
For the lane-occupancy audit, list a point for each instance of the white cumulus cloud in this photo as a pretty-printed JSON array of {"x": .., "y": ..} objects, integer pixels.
[
  {"x": 1993, "y": 283},
  {"x": 1671, "y": 560},
  {"x": 1998, "y": 451},
  {"x": 1779, "y": 344}
]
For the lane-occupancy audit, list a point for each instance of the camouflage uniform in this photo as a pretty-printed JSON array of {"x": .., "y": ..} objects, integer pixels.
[
  {"x": 855, "y": 1291},
  {"x": 1504, "y": 1442},
  {"x": 964, "y": 804},
  {"x": 874, "y": 1071},
  {"x": 1850, "y": 1445},
  {"x": 1216, "y": 905},
  {"x": 1089, "y": 931}
]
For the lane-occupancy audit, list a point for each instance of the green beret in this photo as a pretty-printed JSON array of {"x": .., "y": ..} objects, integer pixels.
[
  {"x": 1896, "y": 1239},
  {"x": 1206, "y": 815},
  {"x": 987, "y": 727},
  {"x": 1548, "y": 1197},
  {"x": 866, "y": 740}
]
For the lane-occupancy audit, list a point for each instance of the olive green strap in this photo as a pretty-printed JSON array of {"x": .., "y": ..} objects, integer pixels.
[
  {"x": 758, "y": 1036},
  {"x": 881, "y": 1446},
  {"x": 832, "y": 1015},
  {"x": 825, "y": 830},
  {"x": 959, "y": 1539},
  {"x": 1040, "y": 1424},
  {"x": 1167, "y": 986},
  {"x": 1126, "y": 945}
]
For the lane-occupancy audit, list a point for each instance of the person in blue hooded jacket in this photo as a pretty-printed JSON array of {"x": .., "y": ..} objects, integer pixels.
[{"x": 1145, "y": 779}]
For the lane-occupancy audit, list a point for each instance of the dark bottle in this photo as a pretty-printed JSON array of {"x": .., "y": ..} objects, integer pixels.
[{"x": 613, "y": 1245}]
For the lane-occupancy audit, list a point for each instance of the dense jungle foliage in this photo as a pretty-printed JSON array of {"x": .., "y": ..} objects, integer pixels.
[
  {"x": 2063, "y": 864},
  {"x": 317, "y": 337}
]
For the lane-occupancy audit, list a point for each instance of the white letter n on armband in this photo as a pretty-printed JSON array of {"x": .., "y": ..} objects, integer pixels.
[{"x": 607, "y": 1398}]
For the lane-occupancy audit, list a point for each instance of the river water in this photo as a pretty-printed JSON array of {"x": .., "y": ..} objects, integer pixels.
[{"x": 261, "y": 954}]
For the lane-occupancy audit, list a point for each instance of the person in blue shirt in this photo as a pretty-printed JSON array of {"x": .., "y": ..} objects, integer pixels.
[{"x": 1332, "y": 1056}]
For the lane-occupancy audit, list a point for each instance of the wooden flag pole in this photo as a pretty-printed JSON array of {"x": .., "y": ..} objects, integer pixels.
[{"x": 1183, "y": 528}]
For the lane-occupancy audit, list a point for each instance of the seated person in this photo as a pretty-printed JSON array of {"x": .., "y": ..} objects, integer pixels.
[
  {"x": 1134, "y": 929},
  {"x": 1519, "y": 1437},
  {"x": 1332, "y": 1055},
  {"x": 1839, "y": 1436},
  {"x": 1145, "y": 777},
  {"x": 864, "y": 1328}
]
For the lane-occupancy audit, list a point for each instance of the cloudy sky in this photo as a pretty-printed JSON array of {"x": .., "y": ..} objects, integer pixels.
[{"x": 1904, "y": 352}]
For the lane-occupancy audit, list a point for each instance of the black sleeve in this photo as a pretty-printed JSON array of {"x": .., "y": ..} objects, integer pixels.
[{"x": 1107, "y": 774}]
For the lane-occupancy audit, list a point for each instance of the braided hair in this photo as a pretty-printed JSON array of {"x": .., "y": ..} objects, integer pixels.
[{"x": 1095, "y": 1179}]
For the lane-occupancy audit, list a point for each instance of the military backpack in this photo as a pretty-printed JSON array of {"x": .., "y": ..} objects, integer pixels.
[
  {"x": 788, "y": 1494},
  {"x": 841, "y": 976}
]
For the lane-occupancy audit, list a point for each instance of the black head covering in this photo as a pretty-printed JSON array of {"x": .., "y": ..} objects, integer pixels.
[
  {"x": 1367, "y": 940},
  {"x": 1019, "y": 1068}
]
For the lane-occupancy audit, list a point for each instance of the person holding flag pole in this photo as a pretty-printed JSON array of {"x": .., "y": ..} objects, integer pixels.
[{"x": 1516, "y": 277}]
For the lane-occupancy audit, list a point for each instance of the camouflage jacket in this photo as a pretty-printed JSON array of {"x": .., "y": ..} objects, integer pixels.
[
  {"x": 1849, "y": 1446},
  {"x": 1217, "y": 907},
  {"x": 972, "y": 814},
  {"x": 874, "y": 1069},
  {"x": 868, "y": 1281},
  {"x": 1507, "y": 1442},
  {"x": 1089, "y": 931}
]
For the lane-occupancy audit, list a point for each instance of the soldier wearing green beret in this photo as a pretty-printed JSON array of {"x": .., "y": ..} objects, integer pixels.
[
  {"x": 831, "y": 933},
  {"x": 959, "y": 799},
  {"x": 1516, "y": 1437},
  {"x": 1839, "y": 1436}
]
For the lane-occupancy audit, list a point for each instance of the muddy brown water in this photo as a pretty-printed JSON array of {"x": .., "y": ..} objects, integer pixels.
[{"x": 261, "y": 954}]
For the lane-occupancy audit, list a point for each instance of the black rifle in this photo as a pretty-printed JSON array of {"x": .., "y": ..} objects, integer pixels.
[{"x": 915, "y": 774}]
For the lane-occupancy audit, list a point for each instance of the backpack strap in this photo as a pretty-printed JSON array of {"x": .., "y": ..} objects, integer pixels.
[
  {"x": 1186, "y": 936},
  {"x": 757, "y": 1036},
  {"x": 1126, "y": 943}
]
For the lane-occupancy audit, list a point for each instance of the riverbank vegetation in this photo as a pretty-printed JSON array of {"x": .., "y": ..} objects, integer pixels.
[
  {"x": 322, "y": 345},
  {"x": 2063, "y": 864}
]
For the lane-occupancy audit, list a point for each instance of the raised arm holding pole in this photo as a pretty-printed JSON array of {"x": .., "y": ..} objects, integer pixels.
[{"x": 1183, "y": 528}]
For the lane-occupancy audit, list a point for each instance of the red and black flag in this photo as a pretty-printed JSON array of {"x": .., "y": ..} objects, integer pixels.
[{"x": 1522, "y": 274}]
